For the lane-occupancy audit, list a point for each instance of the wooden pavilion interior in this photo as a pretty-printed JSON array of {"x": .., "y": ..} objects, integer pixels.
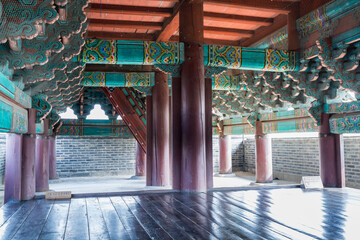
[{"x": 178, "y": 72}]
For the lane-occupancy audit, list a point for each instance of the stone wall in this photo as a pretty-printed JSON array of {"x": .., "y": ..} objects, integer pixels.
[
  {"x": 95, "y": 156},
  {"x": 2, "y": 156},
  {"x": 297, "y": 157},
  {"x": 100, "y": 156}
]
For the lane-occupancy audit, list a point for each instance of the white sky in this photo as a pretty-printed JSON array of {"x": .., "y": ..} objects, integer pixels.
[{"x": 96, "y": 113}]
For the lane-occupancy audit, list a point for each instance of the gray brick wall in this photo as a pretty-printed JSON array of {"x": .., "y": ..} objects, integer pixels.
[
  {"x": 95, "y": 156},
  {"x": 296, "y": 157},
  {"x": 352, "y": 161},
  {"x": 292, "y": 157},
  {"x": 2, "y": 156},
  {"x": 237, "y": 152}
]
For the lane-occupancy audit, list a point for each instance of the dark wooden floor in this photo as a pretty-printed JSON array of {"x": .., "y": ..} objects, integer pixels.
[{"x": 264, "y": 214}]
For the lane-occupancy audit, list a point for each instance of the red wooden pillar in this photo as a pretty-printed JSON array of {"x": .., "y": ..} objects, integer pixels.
[
  {"x": 149, "y": 146},
  {"x": 52, "y": 157},
  {"x": 28, "y": 158},
  {"x": 331, "y": 146},
  {"x": 140, "y": 161},
  {"x": 42, "y": 159},
  {"x": 176, "y": 146},
  {"x": 160, "y": 131},
  {"x": 208, "y": 129},
  {"x": 225, "y": 154},
  {"x": 193, "y": 157},
  {"x": 13, "y": 167},
  {"x": 263, "y": 155}
]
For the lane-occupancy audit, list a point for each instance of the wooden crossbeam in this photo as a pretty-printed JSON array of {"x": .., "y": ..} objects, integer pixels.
[
  {"x": 280, "y": 7},
  {"x": 170, "y": 26},
  {"x": 125, "y": 24},
  {"x": 229, "y": 31},
  {"x": 238, "y": 19},
  {"x": 121, "y": 36},
  {"x": 130, "y": 10},
  {"x": 123, "y": 106}
]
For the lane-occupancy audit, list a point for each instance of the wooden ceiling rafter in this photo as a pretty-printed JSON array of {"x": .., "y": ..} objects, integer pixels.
[
  {"x": 229, "y": 31},
  {"x": 240, "y": 27},
  {"x": 279, "y": 22},
  {"x": 237, "y": 19}
]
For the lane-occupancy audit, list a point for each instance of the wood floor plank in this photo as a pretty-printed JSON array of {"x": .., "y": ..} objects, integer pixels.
[
  {"x": 77, "y": 222},
  {"x": 55, "y": 225},
  {"x": 169, "y": 224},
  {"x": 115, "y": 226},
  {"x": 164, "y": 201},
  {"x": 258, "y": 225},
  {"x": 251, "y": 205},
  {"x": 151, "y": 227},
  {"x": 34, "y": 223},
  {"x": 131, "y": 224},
  {"x": 10, "y": 227},
  {"x": 97, "y": 225},
  {"x": 235, "y": 223},
  {"x": 7, "y": 210},
  {"x": 205, "y": 221},
  {"x": 208, "y": 209}
]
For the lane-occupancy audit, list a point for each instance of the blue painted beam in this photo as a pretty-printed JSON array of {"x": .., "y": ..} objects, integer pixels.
[{"x": 98, "y": 51}]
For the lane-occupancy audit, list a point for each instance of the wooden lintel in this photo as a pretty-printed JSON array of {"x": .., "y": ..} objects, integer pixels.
[
  {"x": 170, "y": 26},
  {"x": 280, "y": 7},
  {"x": 125, "y": 24},
  {"x": 238, "y": 19},
  {"x": 130, "y": 10},
  {"x": 286, "y": 119},
  {"x": 121, "y": 36},
  {"x": 279, "y": 22},
  {"x": 118, "y": 68},
  {"x": 229, "y": 31}
]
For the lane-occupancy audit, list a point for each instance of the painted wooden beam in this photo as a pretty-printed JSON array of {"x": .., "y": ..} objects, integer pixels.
[
  {"x": 321, "y": 16},
  {"x": 87, "y": 127},
  {"x": 342, "y": 107},
  {"x": 345, "y": 123},
  {"x": 13, "y": 118},
  {"x": 131, "y": 52},
  {"x": 109, "y": 79},
  {"x": 138, "y": 79},
  {"x": 230, "y": 18},
  {"x": 125, "y": 24},
  {"x": 169, "y": 53},
  {"x": 129, "y": 10}
]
